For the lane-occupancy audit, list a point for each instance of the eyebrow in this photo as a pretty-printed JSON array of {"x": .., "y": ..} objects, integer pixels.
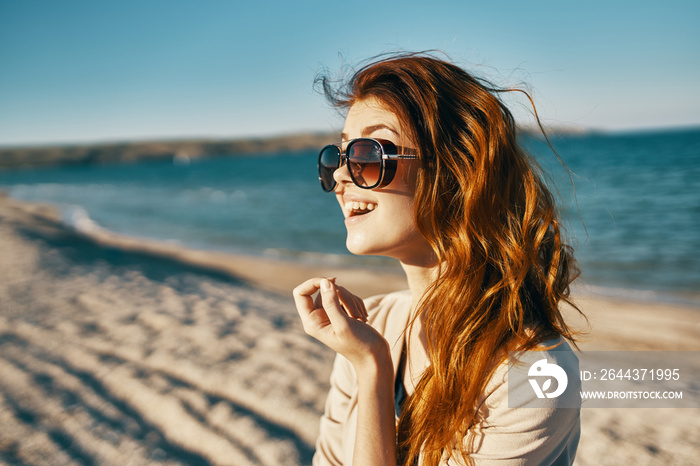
[{"x": 366, "y": 131}]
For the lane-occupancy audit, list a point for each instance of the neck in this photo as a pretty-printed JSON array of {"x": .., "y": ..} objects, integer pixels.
[{"x": 419, "y": 277}]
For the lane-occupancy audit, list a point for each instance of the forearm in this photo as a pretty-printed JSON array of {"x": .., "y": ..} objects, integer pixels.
[{"x": 375, "y": 441}]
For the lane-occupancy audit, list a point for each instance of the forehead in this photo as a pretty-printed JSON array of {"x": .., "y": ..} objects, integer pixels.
[{"x": 369, "y": 116}]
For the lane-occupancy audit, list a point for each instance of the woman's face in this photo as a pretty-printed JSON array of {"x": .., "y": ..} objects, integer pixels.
[{"x": 381, "y": 221}]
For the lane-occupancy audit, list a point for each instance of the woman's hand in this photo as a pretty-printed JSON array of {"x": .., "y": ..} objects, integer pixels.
[{"x": 338, "y": 319}]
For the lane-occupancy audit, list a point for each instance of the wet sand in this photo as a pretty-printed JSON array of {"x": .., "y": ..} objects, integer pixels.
[{"x": 120, "y": 351}]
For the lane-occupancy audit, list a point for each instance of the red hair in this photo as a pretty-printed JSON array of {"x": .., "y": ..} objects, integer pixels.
[{"x": 481, "y": 203}]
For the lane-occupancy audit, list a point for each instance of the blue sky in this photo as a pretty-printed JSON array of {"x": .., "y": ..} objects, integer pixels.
[{"x": 83, "y": 71}]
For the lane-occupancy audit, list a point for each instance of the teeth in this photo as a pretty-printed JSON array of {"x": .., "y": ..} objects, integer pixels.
[{"x": 353, "y": 206}]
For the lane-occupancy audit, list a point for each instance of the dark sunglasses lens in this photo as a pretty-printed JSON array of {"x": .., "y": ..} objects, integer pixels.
[
  {"x": 328, "y": 162},
  {"x": 365, "y": 162}
]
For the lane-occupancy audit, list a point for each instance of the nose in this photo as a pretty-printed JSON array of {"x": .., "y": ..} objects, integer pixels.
[{"x": 342, "y": 175}]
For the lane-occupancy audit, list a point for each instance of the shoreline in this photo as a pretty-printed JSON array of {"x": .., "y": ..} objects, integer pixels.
[
  {"x": 254, "y": 270},
  {"x": 255, "y": 267},
  {"x": 637, "y": 295}
]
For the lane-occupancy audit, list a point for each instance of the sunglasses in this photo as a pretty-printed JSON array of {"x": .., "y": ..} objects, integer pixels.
[{"x": 371, "y": 163}]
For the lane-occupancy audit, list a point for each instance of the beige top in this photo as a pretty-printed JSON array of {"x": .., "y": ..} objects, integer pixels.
[{"x": 507, "y": 436}]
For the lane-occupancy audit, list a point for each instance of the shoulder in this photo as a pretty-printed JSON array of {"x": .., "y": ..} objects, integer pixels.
[
  {"x": 547, "y": 376},
  {"x": 388, "y": 300},
  {"x": 516, "y": 424}
]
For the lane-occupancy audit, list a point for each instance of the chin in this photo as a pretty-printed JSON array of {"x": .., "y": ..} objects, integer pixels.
[
  {"x": 357, "y": 250},
  {"x": 360, "y": 248}
]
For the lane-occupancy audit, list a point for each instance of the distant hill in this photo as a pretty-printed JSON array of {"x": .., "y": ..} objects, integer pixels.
[
  {"x": 120, "y": 152},
  {"x": 16, "y": 157}
]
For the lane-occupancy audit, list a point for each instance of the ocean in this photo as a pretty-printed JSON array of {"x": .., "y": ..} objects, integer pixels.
[{"x": 631, "y": 206}]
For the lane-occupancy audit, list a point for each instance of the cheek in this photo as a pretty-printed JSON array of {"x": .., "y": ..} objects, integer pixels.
[
  {"x": 401, "y": 216},
  {"x": 399, "y": 222}
]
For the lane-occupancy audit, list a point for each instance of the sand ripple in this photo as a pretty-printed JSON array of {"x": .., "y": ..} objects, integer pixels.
[{"x": 129, "y": 360}]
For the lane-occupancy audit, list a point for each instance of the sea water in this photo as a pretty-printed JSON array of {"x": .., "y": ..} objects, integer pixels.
[{"x": 630, "y": 204}]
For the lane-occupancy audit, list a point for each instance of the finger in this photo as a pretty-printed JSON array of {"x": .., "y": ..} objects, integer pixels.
[
  {"x": 309, "y": 287},
  {"x": 347, "y": 301},
  {"x": 303, "y": 299},
  {"x": 344, "y": 305},
  {"x": 331, "y": 304},
  {"x": 318, "y": 300},
  {"x": 361, "y": 306},
  {"x": 360, "y": 303},
  {"x": 354, "y": 305}
]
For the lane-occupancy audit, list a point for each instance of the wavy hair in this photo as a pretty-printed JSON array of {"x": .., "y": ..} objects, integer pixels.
[{"x": 482, "y": 204}]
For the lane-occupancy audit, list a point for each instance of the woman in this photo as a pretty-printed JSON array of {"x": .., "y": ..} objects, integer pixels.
[{"x": 429, "y": 172}]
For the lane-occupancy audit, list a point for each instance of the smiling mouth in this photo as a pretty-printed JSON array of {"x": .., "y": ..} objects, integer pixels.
[{"x": 359, "y": 208}]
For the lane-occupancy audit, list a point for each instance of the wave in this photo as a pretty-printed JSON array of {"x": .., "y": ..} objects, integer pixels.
[{"x": 78, "y": 219}]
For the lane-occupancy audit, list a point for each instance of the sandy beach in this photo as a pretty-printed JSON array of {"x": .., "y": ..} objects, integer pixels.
[{"x": 118, "y": 351}]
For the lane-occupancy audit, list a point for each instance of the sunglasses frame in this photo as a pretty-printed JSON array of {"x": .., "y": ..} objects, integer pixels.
[{"x": 387, "y": 167}]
